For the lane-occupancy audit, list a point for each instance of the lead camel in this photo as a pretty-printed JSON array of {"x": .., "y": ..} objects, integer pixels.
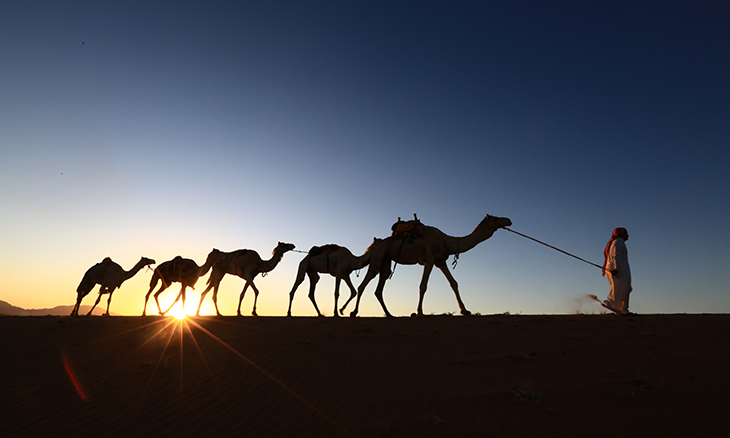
[{"x": 427, "y": 246}]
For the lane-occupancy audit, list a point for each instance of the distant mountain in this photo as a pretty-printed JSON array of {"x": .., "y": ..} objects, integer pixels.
[{"x": 10, "y": 310}]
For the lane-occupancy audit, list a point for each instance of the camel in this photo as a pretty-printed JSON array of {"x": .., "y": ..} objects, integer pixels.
[
  {"x": 331, "y": 259},
  {"x": 180, "y": 270},
  {"x": 110, "y": 276},
  {"x": 244, "y": 263},
  {"x": 426, "y": 246}
]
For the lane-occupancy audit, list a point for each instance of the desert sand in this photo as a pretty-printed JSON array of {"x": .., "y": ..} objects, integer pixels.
[{"x": 480, "y": 376}]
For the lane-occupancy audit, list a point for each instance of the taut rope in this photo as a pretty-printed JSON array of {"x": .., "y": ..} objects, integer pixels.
[{"x": 556, "y": 249}]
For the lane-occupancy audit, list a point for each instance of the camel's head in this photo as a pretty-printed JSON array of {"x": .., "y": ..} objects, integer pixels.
[
  {"x": 497, "y": 222},
  {"x": 282, "y": 247},
  {"x": 146, "y": 262}
]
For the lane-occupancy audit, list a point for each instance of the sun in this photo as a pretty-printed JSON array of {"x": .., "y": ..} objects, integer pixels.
[{"x": 178, "y": 312}]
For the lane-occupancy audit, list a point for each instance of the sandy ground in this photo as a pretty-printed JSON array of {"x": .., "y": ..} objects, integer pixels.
[{"x": 482, "y": 376}]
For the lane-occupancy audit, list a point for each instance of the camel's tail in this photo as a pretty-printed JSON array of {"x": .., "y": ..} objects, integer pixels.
[{"x": 214, "y": 278}]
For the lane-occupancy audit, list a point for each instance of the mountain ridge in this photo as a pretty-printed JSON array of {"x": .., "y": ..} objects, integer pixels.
[{"x": 7, "y": 309}]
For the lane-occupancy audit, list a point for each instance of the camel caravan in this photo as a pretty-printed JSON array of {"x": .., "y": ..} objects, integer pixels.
[{"x": 410, "y": 243}]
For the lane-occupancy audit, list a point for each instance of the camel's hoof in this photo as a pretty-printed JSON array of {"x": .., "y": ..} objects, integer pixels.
[
  {"x": 288, "y": 314},
  {"x": 466, "y": 312},
  {"x": 353, "y": 314}
]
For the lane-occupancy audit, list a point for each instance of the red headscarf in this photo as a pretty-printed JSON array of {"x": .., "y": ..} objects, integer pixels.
[{"x": 616, "y": 233}]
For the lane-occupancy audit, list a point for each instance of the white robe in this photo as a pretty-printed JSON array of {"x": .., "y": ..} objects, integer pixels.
[{"x": 618, "y": 258}]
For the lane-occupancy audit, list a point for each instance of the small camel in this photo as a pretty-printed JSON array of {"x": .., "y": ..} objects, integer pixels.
[
  {"x": 331, "y": 259},
  {"x": 110, "y": 276},
  {"x": 426, "y": 246},
  {"x": 245, "y": 263},
  {"x": 180, "y": 270}
]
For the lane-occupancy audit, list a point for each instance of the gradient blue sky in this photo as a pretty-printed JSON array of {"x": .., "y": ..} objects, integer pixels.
[{"x": 170, "y": 128}]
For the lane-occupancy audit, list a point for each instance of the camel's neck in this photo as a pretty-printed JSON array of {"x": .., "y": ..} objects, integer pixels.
[
  {"x": 363, "y": 260},
  {"x": 270, "y": 264},
  {"x": 209, "y": 262},
  {"x": 132, "y": 272},
  {"x": 482, "y": 232}
]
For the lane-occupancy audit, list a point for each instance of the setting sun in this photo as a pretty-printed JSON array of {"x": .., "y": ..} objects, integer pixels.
[{"x": 178, "y": 312}]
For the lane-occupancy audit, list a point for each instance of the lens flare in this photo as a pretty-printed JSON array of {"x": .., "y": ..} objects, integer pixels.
[
  {"x": 73, "y": 379},
  {"x": 179, "y": 312}
]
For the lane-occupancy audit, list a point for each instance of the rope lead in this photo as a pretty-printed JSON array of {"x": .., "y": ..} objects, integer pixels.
[{"x": 556, "y": 249}]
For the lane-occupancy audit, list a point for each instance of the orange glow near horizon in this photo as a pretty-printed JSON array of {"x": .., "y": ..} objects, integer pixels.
[{"x": 179, "y": 312}]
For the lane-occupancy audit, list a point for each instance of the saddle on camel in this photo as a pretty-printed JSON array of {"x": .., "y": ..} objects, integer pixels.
[
  {"x": 324, "y": 249},
  {"x": 408, "y": 229}
]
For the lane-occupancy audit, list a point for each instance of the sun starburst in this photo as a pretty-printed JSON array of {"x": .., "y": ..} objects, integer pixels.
[{"x": 179, "y": 312}]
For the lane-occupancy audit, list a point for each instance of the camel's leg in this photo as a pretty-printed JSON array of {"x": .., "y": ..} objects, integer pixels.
[
  {"x": 454, "y": 286},
  {"x": 372, "y": 272},
  {"x": 353, "y": 294},
  {"x": 255, "y": 298},
  {"x": 297, "y": 282},
  {"x": 427, "y": 268},
  {"x": 108, "y": 303},
  {"x": 240, "y": 299},
  {"x": 313, "y": 279},
  {"x": 157, "y": 299},
  {"x": 153, "y": 284},
  {"x": 338, "y": 280},
  {"x": 384, "y": 274},
  {"x": 181, "y": 294},
  {"x": 75, "y": 311},
  {"x": 202, "y": 296},
  {"x": 215, "y": 301},
  {"x": 97, "y": 302},
  {"x": 147, "y": 297}
]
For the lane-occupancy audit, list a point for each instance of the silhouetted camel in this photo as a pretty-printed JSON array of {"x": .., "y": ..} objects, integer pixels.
[
  {"x": 244, "y": 263},
  {"x": 110, "y": 276},
  {"x": 180, "y": 270},
  {"x": 331, "y": 259},
  {"x": 427, "y": 246}
]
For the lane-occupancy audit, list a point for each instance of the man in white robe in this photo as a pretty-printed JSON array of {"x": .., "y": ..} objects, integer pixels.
[{"x": 616, "y": 267}]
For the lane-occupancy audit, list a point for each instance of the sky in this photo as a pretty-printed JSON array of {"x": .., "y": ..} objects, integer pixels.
[{"x": 160, "y": 129}]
